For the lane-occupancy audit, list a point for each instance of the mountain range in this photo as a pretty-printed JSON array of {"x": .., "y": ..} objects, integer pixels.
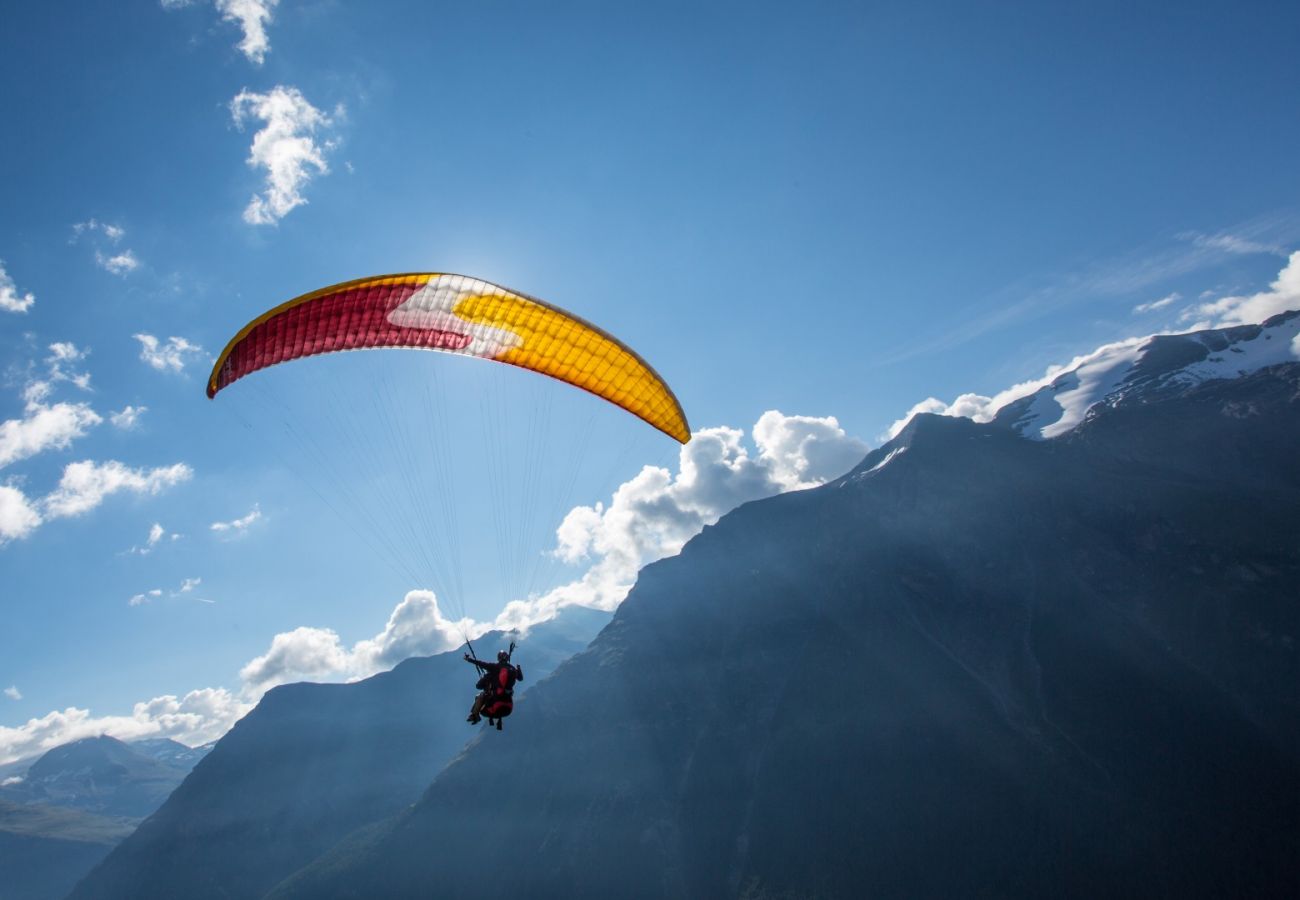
[
  {"x": 1049, "y": 654},
  {"x": 985, "y": 662},
  {"x": 313, "y": 762}
]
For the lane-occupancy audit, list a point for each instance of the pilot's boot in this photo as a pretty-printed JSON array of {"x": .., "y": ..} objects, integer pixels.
[{"x": 474, "y": 717}]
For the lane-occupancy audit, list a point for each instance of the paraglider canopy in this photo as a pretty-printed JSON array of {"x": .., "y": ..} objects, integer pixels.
[{"x": 453, "y": 314}]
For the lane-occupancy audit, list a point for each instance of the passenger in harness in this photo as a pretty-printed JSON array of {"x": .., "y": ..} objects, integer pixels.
[{"x": 496, "y": 688}]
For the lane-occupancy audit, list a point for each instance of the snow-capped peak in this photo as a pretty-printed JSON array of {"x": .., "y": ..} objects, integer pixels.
[{"x": 1146, "y": 366}]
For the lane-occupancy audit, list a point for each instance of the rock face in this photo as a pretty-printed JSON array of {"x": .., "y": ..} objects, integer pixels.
[
  {"x": 311, "y": 763},
  {"x": 978, "y": 665}
]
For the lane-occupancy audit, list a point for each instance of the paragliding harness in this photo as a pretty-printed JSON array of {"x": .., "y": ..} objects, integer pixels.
[{"x": 497, "y": 686}]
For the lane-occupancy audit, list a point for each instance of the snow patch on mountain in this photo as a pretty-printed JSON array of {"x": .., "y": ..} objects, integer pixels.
[{"x": 1126, "y": 371}]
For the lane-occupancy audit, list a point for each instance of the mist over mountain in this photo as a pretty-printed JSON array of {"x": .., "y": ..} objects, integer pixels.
[
  {"x": 978, "y": 664},
  {"x": 313, "y": 762}
]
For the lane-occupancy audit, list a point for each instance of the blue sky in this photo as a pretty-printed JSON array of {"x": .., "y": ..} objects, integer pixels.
[{"x": 822, "y": 209}]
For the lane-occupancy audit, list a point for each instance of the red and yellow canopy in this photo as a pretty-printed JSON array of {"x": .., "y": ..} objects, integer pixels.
[{"x": 454, "y": 314}]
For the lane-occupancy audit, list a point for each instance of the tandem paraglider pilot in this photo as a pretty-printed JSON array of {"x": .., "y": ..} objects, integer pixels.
[{"x": 496, "y": 688}]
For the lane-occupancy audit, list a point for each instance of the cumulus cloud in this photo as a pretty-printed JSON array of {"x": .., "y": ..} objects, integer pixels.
[
  {"x": 11, "y": 300},
  {"x": 416, "y": 627},
  {"x": 1167, "y": 300},
  {"x": 118, "y": 263},
  {"x": 127, "y": 417},
  {"x": 170, "y": 355},
  {"x": 237, "y": 527},
  {"x": 44, "y": 426},
  {"x": 13, "y": 693},
  {"x": 1282, "y": 295},
  {"x": 86, "y": 484},
  {"x": 649, "y": 517},
  {"x": 285, "y": 148},
  {"x": 197, "y": 718},
  {"x": 18, "y": 516}
]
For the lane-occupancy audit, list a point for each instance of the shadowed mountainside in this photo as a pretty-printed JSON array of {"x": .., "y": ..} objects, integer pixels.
[
  {"x": 311, "y": 763},
  {"x": 976, "y": 665}
]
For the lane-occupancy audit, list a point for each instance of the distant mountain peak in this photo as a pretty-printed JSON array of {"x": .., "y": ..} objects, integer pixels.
[{"x": 1141, "y": 369}]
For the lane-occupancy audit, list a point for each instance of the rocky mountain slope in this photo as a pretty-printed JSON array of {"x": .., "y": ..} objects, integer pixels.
[
  {"x": 976, "y": 665},
  {"x": 311, "y": 763}
]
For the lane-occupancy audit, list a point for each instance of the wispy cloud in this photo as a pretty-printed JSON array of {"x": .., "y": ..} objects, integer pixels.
[
  {"x": 157, "y": 534},
  {"x": 1118, "y": 277},
  {"x": 186, "y": 587},
  {"x": 11, "y": 299},
  {"x": 1167, "y": 300},
  {"x": 144, "y": 597},
  {"x": 1236, "y": 244},
  {"x": 13, "y": 693},
  {"x": 118, "y": 262},
  {"x": 237, "y": 527},
  {"x": 285, "y": 148},
  {"x": 170, "y": 355}
]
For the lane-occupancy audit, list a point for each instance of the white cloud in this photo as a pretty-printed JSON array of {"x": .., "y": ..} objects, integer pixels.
[
  {"x": 1167, "y": 300},
  {"x": 114, "y": 233},
  {"x": 85, "y": 484},
  {"x": 43, "y": 427},
  {"x": 127, "y": 417},
  {"x": 157, "y": 534},
  {"x": 238, "y": 527},
  {"x": 171, "y": 355},
  {"x": 13, "y": 693},
  {"x": 10, "y": 298},
  {"x": 1283, "y": 294},
  {"x": 197, "y": 718},
  {"x": 118, "y": 263},
  {"x": 187, "y": 586},
  {"x": 63, "y": 354},
  {"x": 145, "y": 597},
  {"x": 18, "y": 517},
  {"x": 285, "y": 148},
  {"x": 252, "y": 16},
  {"x": 303, "y": 653},
  {"x": 649, "y": 517}
]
